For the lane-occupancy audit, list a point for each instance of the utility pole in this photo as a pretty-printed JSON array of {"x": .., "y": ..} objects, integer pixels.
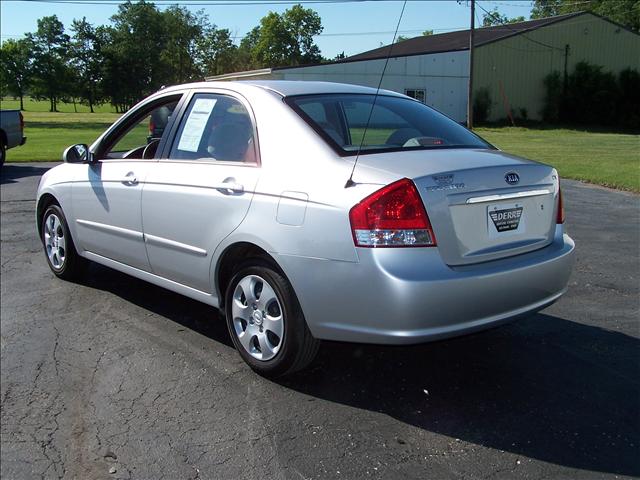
[
  {"x": 565, "y": 84},
  {"x": 470, "y": 92}
]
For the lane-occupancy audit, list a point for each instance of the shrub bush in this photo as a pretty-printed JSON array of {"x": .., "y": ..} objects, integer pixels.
[
  {"x": 593, "y": 97},
  {"x": 553, "y": 97},
  {"x": 481, "y": 105},
  {"x": 629, "y": 98}
]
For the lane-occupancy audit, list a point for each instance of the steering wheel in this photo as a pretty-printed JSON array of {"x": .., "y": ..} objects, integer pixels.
[
  {"x": 150, "y": 150},
  {"x": 134, "y": 153}
]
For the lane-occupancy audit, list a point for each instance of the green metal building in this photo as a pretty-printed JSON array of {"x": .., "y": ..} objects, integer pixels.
[{"x": 513, "y": 67}]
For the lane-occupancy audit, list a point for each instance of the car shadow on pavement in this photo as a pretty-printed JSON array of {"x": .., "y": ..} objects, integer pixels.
[
  {"x": 11, "y": 173},
  {"x": 197, "y": 316},
  {"x": 546, "y": 388}
]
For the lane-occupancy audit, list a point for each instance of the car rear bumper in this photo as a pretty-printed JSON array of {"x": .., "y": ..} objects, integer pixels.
[
  {"x": 23, "y": 141},
  {"x": 405, "y": 296}
]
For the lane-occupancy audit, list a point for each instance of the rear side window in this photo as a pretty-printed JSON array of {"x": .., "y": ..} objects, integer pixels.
[
  {"x": 215, "y": 128},
  {"x": 354, "y": 122}
]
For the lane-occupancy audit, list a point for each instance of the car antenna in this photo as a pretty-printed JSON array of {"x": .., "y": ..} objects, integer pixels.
[{"x": 350, "y": 182}]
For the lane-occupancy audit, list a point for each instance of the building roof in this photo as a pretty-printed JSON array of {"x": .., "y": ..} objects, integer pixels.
[
  {"x": 443, "y": 42},
  {"x": 455, "y": 41}
]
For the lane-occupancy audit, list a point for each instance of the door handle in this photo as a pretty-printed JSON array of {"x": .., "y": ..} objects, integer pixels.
[
  {"x": 130, "y": 179},
  {"x": 229, "y": 187}
]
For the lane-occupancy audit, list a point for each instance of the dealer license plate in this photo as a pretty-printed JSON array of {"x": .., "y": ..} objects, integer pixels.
[{"x": 505, "y": 218}]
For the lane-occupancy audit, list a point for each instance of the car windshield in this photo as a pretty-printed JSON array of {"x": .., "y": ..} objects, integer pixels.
[{"x": 396, "y": 123}]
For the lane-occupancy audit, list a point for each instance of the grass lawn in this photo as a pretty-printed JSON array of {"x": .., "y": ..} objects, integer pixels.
[{"x": 610, "y": 159}]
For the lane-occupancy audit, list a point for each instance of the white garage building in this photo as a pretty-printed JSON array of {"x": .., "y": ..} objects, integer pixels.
[{"x": 439, "y": 78}]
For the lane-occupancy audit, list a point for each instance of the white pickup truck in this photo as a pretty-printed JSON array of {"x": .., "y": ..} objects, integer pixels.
[{"x": 11, "y": 131}]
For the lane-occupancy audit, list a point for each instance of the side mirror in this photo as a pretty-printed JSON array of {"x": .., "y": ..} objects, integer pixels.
[{"x": 78, "y": 153}]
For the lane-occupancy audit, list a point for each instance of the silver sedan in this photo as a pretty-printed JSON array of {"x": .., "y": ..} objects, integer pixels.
[{"x": 308, "y": 211}]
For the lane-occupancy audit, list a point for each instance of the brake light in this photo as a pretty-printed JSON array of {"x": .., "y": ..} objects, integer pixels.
[
  {"x": 21, "y": 121},
  {"x": 560, "y": 216},
  {"x": 394, "y": 216}
]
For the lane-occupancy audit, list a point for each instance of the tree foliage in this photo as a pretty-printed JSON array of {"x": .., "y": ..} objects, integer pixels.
[
  {"x": 15, "y": 68},
  {"x": 592, "y": 96},
  {"x": 625, "y": 12},
  {"x": 286, "y": 39},
  {"x": 49, "y": 47},
  {"x": 85, "y": 60},
  {"x": 494, "y": 17},
  {"x": 144, "y": 48}
]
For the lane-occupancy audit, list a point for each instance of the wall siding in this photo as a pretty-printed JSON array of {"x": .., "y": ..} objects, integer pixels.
[
  {"x": 443, "y": 76},
  {"x": 520, "y": 63}
]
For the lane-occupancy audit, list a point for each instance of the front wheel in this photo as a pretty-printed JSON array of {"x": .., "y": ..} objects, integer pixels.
[
  {"x": 266, "y": 323},
  {"x": 3, "y": 152},
  {"x": 62, "y": 258}
]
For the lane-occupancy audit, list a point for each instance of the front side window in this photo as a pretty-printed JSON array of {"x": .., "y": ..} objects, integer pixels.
[
  {"x": 215, "y": 128},
  {"x": 140, "y": 139},
  {"x": 353, "y": 123}
]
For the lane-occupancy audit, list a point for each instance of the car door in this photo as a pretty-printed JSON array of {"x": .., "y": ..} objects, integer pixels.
[
  {"x": 201, "y": 188},
  {"x": 106, "y": 194}
]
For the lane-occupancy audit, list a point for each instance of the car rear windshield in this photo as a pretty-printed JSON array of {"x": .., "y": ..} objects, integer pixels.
[{"x": 395, "y": 123}]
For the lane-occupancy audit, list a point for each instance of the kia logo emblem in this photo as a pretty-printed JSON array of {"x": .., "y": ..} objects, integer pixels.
[{"x": 512, "y": 178}]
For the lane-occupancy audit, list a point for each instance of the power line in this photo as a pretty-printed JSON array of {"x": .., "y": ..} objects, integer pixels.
[
  {"x": 520, "y": 5},
  {"x": 205, "y": 3},
  {"x": 520, "y": 32}
]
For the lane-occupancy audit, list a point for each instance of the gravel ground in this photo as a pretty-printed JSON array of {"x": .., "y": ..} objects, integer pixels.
[{"x": 115, "y": 378}]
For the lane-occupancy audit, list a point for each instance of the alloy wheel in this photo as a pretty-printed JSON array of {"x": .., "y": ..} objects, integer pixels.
[
  {"x": 258, "y": 318},
  {"x": 55, "y": 241}
]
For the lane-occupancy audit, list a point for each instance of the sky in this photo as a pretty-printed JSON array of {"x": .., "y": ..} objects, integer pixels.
[{"x": 351, "y": 27}]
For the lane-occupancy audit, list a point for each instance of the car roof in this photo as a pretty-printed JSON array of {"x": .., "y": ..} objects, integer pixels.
[{"x": 287, "y": 88}]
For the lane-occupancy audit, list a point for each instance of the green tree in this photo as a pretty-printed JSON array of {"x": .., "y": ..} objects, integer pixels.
[
  {"x": 625, "y": 12},
  {"x": 245, "y": 58},
  {"x": 132, "y": 53},
  {"x": 15, "y": 68},
  {"x": 494, "y": 17},
  {"x": 49, "y": 47},
  {"x": 216, "y": 51},
  {"x": 286, "y": 39},
  {"x": 85, "y": 52},
  {"x": 180, "y": 47}
]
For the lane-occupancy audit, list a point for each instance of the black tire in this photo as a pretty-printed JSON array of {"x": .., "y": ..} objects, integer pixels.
[
  {"x": 3, "y": 153},
  {"x": 70, "y": 265},
  {"x": 297, "y": 347}
]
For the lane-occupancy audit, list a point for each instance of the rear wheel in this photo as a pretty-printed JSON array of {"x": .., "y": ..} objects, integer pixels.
[
  {"x": 62, "y": 258},
  {"x": 266, "y": 323}
]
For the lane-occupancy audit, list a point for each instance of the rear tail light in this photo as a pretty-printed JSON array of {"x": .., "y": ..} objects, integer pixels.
[
  {"x": 21, "y": 121},
  {"x": 560, "y": 216},
  {"x": 394, "y": 216}
]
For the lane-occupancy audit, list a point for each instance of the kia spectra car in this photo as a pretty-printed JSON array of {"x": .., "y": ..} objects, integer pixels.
[{"x": 308, "y": 211}]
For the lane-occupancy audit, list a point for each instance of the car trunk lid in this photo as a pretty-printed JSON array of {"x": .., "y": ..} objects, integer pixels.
[{"x": 483, "y": 204}]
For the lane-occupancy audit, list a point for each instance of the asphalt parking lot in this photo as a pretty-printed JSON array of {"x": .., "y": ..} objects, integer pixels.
[{"x": 115, "y": 378}]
